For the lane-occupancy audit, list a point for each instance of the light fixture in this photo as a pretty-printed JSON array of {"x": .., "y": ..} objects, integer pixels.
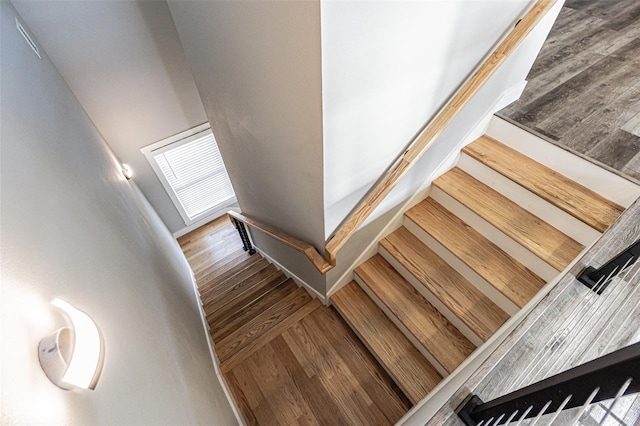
[
  {"x": 126, "y": 171},
  {"x": 72, "y": 357}
]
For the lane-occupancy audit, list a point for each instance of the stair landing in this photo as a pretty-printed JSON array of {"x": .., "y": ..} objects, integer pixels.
[{"x": 285, "y": 357}]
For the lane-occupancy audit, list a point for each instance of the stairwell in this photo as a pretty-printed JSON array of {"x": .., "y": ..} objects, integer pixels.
[{"x": 493, "y": 232}]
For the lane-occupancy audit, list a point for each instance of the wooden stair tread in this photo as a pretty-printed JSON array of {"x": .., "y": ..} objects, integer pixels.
[
  {"x": 223, "y": 241},
  {"x": 506, "y": 274},
  {"x": 438, "y": 336},
  {"x": 534, "y": 234},
  {"x": 259, "y": 341},
  {"x": 402, "y": 360},
  {"x": 463, "y": 299},
  {"x": 212, "y": 278},
  {"x": 217, "y": 313},
  {"x": 260, "y": 324},
  {"x": 211, "y": 269},
  {"x": 240, "y": 289},
  {"x": 213, "y": 306},
  {"x": 568, "y": 195},
  {"x": 240, "y": 274},
  {"x": 227, "y": 325}
]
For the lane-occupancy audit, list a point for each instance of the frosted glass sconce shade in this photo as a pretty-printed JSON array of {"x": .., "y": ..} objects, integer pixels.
[{"x": 72, "y": 357}]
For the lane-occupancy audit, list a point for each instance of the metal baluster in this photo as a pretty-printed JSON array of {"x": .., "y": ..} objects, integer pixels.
[
  {"x": 584, "y": 407},
  {"x": 615, "y": 400},
  {"x": 244, "y": 236}
]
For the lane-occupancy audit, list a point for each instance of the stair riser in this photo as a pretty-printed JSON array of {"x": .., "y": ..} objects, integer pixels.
[
  {"x": 373, "y": 353},
  {"x": 443, "y": 309},
  {"x": 493, "y": 234},
  {"x": 480, "y": 283},
  {"x": 546, "y": 211},
  {"x": 402, "y": 328}
]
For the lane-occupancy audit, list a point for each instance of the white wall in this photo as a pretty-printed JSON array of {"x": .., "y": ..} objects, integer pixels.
[
  {"x": 73, "y": 227},
  {"x": 257, "y": 68},
  {"x": 387, "y": 67},
  {"x": 124, "y": 63}
]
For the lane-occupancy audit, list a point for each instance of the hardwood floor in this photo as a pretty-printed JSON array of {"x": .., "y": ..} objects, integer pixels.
[
  {"x": 286, "y": 358},
  {"x": 584, "y": 88}
]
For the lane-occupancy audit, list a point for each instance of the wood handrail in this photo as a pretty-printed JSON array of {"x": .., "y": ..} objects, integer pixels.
[
  {"x": 420, "y": 145},
  {"x": 305, "y": 248}
]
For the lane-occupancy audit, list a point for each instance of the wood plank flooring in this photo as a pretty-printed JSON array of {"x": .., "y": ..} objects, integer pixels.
[
  {"x": 584, "y": 88},
  {"x": 287, "y": 359}
]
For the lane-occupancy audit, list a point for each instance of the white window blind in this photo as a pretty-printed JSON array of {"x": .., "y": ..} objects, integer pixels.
[{"x": 192, "y": 171}]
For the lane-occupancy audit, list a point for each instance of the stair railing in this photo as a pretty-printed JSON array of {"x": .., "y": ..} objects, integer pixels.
[
  {"x": 610, "y": 376},
  {"x": 598, "y": 279},
  {"x": 416, "y": 149}
]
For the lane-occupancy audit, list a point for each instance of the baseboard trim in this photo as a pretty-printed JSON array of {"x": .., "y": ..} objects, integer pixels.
[{"x": 212, "y": 353}]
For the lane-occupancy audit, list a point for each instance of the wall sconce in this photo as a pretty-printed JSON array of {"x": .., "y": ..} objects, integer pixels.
[
  {"x": 72, "y": 357},
  {"x": 126, "y": 171}
]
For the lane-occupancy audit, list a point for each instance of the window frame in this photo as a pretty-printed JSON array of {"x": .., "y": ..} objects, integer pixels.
[{"x": 173, "y": 142}]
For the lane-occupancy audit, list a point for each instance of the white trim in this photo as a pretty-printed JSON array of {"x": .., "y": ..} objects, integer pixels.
[
  {"x": 168, "y": 141},
  {"x": 212, "y": 352},
  {"x": 299, "y": 281}
]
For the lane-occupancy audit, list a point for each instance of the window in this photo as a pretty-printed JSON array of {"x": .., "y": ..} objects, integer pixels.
[{"x": 191, "y": 170}]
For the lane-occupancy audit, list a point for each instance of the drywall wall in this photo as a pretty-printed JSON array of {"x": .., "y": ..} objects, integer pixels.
[
  {"x": 72, "y": 227},
  {"x": 257, "y": 68},
  {"x": 387, "y": 67},
  {"x": 124, "y": 63}
]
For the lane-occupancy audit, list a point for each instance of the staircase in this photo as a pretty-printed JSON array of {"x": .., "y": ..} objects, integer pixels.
[
  {"x": 247, "y": 303},
  {"x": 493, "y": 232}
]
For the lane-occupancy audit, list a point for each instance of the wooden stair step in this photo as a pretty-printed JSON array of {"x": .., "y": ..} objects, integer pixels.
[
  {"x": 237, "y": 285},
  {"x": 401, "y": 359},
  {"x": 211, "y": 269},
  {"x": 463, "y": 299},
  {"x": 534, "y": 234},
  {"x": 236, "y": 275},
  {"x": 218, "y": 313},
  {"x": 227, "y": 325},
  {"x": 446, "y": 344},
  {"x": 507, "y": 275},
  {"x": 213, "y": 277},
  {"x": 210, "y": 229},
  {"x": 568, "y": 195},
  {"x": 268, "y": 335},
  {"x": 260, "y": 324},
  {"x": 223, "y": 241}
]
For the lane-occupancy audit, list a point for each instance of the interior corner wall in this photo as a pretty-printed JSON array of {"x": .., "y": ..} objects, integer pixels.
[
  {"x": 387, "y": 68},
  {"x": 72, "y": 227},
  {"x": 257, "y": 67}
]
